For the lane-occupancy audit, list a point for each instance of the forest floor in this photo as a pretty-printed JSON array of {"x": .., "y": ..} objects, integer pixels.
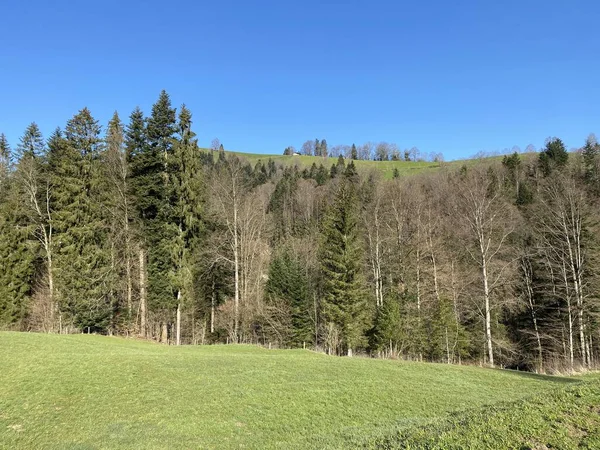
[{"x": 95, "y": 392}]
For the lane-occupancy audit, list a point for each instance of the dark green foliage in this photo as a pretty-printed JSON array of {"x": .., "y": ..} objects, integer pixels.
[
  {"x": 387, "y": 333},
  {"x": 186, "y": 198},
  {"x": 344, "y": 300},
  {"x": 553, "y": 156},
  {"x": 150, "y": 151},
  {"x": 321, "y": 176},
  {"x": 287, "y": 287},
  {"x": 17, "y": 250},
  {"x": 284, "y": 206},
  {"x": 32, "y": 143},
  {"x": 353, "y": 152},
  {"x": 82, "y": 256},
  {"x": 396, "y": 173},
  {"x": 323, "y": 149},
  {"x": 590, "y": 155}
]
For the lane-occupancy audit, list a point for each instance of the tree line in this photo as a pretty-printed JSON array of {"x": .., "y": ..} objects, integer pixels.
[
  {"x": 381, "y": 151},
  {"x": 137, "y": 231}
]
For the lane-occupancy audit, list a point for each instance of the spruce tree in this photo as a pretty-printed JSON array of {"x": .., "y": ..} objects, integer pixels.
[
  {"x": 186, "y": 189},
  {"x": 323, "y": 149},
  {"x": 589, "y": 154},
  {"x": 83, "y": 256},
  {"x": 553, "y": 156},
  {"x": 31, "y": 144},
  {"x": 17, "y": 250},
  {"x": 4, "y": 161},
  {"x": 117, "y": 200},
  {"x": 288, "y": 282},
  {"x": 340, "y": 253},
  {"x": 353, "y": 152},
  {"x": 151, "y": 175}
]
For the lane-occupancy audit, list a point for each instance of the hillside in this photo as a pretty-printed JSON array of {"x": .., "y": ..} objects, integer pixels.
[
  {"x": 89, "y": 392},
  {"x": 386, "y": 168}
]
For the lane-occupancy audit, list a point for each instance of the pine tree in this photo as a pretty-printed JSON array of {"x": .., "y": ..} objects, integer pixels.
[
  {"x": 553, "y": 156},
  {"x": 353, "y": 152},
  {"x": 323, "y": 149},
  {"x": 31, "y": 144},
  {"x": 187, "y": 199},
  {"x": 144, "y": 182},
  {"x": 17, "y": 251},
  {"x": 590, "y": 153},
  {"x": 83, "y": 259},
  {"x": 288, "y": 282},
  {"x": 4, "y": 161},
  {"x": 340, "y": 252},
  {"x": 150, "y": 151},
  {"x": 387, "y": 334},
  {"x": 318, "y": 148},
  {"x": 117, "y": 199}
]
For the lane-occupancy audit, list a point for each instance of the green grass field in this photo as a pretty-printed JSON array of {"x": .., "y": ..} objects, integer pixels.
[
  {"x": 385, "y": 168},
  {"x": 94, "y": 392}
]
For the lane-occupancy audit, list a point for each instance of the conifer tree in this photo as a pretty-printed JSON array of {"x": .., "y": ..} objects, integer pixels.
[
  {"x": 353, "y": 152},
  {"x": 150, "y": 180},
  {"x": 590, "y": 153},
  {"x": 4, "y": 161},
  {"x": 288, "y": 282},
  {"x": 553, "y": 156},
  {"x": 32, "y": 143},
  {"x": 323, "y": 149},
  {"x": 144, "y": 182},
  {"x": 187, "y": 198},
  {"x": 341, "y": 258},
  {"x": 83, "y": 259},
  {"x": 119, "y": 203},
  {"x": 17, "y": 252}
]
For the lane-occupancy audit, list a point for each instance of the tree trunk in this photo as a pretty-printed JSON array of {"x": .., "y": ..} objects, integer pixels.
[
  {"x": 129, "y": 287},
  {"x": 164, "y": 336},
  {"x": 212, "y": 307},
  {"x": 488, "y": 317},
  {"x": 236, "y": 263},
  {"x": 142, "y": 293},
  {"x": 178, "y": 327}
]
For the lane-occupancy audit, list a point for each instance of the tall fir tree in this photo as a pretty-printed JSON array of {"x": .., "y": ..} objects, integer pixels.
[
  {"x": 150, "y": 178},
  {"x": 186, "y": 197},
  {"x": 288, "y": 282},
  {"x": 118, "y": 201},
  {"x": 32, "y": 143},
  {"x": 553, "y": 156},
  {"x": 83, "y": 259},
  {"x": 17, "y": 250},
  {"x": 344, "y": 301}
]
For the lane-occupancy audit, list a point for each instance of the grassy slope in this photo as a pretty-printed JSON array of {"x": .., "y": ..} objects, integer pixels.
[
  {"x": 386, "y": 168},
  {"x": 92, "y": 392},
  {"x": 564, "y": 418}
]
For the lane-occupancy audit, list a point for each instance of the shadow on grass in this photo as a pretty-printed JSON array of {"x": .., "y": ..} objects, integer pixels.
[{"x": 536, "y": 376}]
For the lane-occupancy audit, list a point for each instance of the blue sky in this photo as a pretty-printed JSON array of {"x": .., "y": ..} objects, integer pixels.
[{"x": 453, "y": 77}]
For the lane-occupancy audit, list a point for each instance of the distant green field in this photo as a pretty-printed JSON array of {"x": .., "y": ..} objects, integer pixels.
[
  {"x": 94, "y": 392},
  {"x": 385, "y": 168}
]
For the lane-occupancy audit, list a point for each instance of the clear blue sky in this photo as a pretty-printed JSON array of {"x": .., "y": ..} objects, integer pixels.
[{"x": 454, "y": 77}]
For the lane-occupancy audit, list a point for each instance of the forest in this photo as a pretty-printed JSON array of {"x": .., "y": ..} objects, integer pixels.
[{"x": 137, "y": 231}]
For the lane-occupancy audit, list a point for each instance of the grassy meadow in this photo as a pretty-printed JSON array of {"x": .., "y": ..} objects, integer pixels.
[
  {"x": 95, "y": 392},
  {"x": 384, "y": 168}
]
